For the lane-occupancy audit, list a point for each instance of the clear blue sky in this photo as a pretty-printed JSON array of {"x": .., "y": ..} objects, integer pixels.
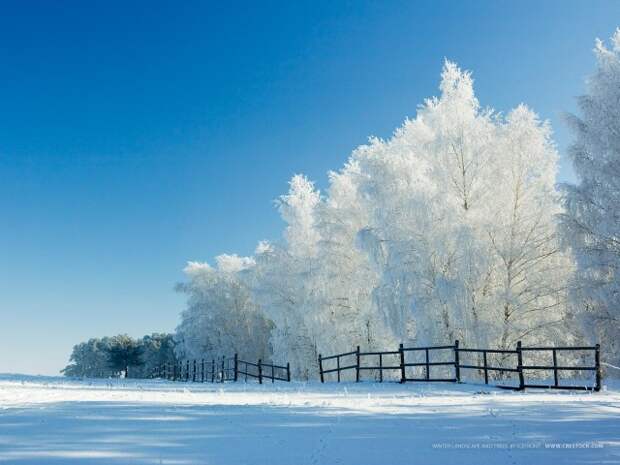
[{"x": 135, "y": 136}]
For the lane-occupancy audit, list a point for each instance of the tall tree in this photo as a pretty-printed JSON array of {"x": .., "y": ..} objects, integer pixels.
[
  {"x": 592, "y": 219},
  {"x": 222, "y": 317}
]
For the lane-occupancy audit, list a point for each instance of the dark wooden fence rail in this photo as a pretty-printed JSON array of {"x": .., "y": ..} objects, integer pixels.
[
  {"x": 379, "y": 357},
  {"x": 339, "y": 368},
  {"x": 221, "y": 370},
  {"x": 262, "y": 371},
  {"x": 596, "y": 368},
  {"x": 427, "y": 363},
  {"x": 511, "y": 357},
  {"x": 485, "y": 367}
]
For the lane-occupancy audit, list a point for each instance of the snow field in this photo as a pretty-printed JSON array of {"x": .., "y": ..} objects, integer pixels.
[{"x": 59, "y": 421}]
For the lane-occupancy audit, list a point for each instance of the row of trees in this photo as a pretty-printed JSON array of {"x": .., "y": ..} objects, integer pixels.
[
  {"x": 120, "y": 356},
  {"x": 454, "y": 228}
]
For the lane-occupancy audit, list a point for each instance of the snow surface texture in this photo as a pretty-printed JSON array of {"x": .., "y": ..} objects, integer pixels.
[{"x": 59, "y": 421}]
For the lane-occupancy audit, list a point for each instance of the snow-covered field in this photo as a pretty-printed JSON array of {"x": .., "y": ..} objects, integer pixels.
[{"x": 58, "y": 421}]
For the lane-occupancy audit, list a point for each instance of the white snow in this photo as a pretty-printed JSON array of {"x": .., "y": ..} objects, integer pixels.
[{"x": 60, "y": 421}]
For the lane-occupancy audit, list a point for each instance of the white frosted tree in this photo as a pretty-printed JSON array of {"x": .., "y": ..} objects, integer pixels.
[
  {"x": 221, "y": 317},
  {"x": 592, "y": 219},
  {"x": 531, "y": 271},
  {"x": 346, "y": 277},
  {"x": 281, "y": 281},
  {"x": 461, "y": 227}
]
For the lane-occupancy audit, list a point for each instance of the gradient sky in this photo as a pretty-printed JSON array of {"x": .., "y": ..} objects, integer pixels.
[{"x": 135, "y": 136}]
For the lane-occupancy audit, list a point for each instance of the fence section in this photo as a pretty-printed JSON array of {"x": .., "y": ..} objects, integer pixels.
[
  {"x": 427, "y": 363},
  {"x": 339, "y": 364},
  {"x": 556, "y": 367},
  {"x": 262, "y": 371},
  {"x": 221, "y": 370},
  {"x": 486, "y": 366},
  {"x": 447, "y": 363}
]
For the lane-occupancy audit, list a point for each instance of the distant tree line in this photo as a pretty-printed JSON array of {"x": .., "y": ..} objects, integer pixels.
[{"x": 120, "y": 356}]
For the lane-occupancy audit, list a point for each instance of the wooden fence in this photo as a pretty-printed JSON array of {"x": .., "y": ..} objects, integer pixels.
[
  {"x": 446, "y": 363},
  {"x": 221, "y": 370}
]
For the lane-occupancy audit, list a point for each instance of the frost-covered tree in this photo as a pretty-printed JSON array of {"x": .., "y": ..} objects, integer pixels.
[
  {"x": 592, "y": 219},
  {"x": 221, "y": 317},
  {"x": 530, "y": 269},
  {"x": 461, "y": 228},
  {"x": 89, "y": 359},
  {"x": 283, "y": 276}
]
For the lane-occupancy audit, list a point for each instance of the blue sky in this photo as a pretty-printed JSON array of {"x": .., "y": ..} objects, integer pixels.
[{"x": 135, "y": 136}]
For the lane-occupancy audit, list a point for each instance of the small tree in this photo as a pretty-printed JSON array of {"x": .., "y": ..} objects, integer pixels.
[{"x": 123, "y": 353}]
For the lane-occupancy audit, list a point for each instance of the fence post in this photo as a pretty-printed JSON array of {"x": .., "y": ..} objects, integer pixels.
[
  {"x": 427, "y": 366},
  {"x": 236, "y": 366},
  {"x": 223, "y": 372},
  {"x": 321, "y": 368},
  {"x": 457, "y": 363},
  {"x": 555, "y": 368},
  {"x": 260, "y": 371},
  {"x": 357, "y": 367},
  {"x": 288, "y": 372},
  {"x": 401, "y": 350},
  {"x": 187, "y": 371},
  {"x": 380, "y": 368},
  {"x": 194, "y": 372},
  {"x": 273, "y": 375},
  {"x": 202, "y": 370},
  {"x": 213, "y": 370},
  {"x": 338, "y": 367},
  {"x": 597, "y": 364},
  {"x": 520, "y": 366},
  {"x": 174, "y": 371},
  {"x": 486, "y": 371}
]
